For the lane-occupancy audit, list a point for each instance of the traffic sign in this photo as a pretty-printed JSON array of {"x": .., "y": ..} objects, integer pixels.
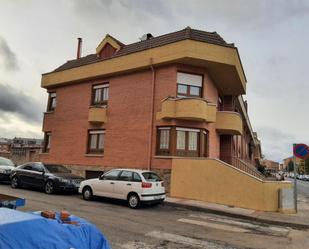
[{"x": 301, "y": 151}]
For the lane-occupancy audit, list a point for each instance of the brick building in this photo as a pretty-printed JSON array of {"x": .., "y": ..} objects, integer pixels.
[
  {"x": 5, "y": 147},
  {"x": 144, "y": 104},
  {"x": 24, "y": 150},
  {"x": 271, "y": 165}
]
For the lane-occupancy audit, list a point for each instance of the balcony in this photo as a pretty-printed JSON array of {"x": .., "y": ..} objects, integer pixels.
[
  {"x": 229, "y": 123},
  {"x": 187, "y": 109},
  {"x": 97, "y": 115}
]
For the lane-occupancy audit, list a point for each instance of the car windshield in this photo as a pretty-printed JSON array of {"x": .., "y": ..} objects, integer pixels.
[
  {"x": 151, "y": 177},
  {"x": 6, "y": 162},
  {"x": 56, "y": 168}
]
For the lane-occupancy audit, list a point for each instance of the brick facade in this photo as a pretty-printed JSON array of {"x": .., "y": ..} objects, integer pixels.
[{"x": 128, "y": 125}]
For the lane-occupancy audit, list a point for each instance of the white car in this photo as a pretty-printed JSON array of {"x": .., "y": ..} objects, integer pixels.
[
  {"x": 133, "y": 185},
  {"x": 6, "y": 167}
]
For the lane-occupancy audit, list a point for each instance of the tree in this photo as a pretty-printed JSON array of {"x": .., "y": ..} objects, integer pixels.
[{"x": 290, "y": 166}]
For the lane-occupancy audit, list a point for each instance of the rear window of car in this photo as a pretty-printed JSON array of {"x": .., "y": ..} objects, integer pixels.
[{"x": 151, "y": 177}]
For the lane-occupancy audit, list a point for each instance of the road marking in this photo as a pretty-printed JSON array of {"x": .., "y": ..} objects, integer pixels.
[
  {"x": 215, "y": 226},
  {"x": 136, "y": 244},
  {"x": 194, "y": 243},
  {"x": 275, "y": 230}
]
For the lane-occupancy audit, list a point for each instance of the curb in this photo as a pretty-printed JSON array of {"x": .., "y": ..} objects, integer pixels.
[{"x": 298, "y": 226}]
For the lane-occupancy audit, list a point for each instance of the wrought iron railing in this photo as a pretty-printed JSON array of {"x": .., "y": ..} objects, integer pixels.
[{"x": 244, "y": 166}]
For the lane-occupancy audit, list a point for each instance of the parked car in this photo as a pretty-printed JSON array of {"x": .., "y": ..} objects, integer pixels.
[
  {"x": 135, "y": 186},
  {"x": 50, "y": 177},
  {"x": 306, "y": 178},
  {"x": 6, "y": 166},
  {"x": 279, "y": 177}
]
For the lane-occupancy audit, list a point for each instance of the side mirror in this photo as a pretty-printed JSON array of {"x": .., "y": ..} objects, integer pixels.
[{"x": 101, "y": 177}]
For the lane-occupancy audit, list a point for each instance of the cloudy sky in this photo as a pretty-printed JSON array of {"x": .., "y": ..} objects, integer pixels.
[{"x": 272, "y": 38}]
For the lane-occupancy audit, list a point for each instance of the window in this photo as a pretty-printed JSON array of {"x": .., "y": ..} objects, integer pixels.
[
  {"x": 205, "y": 144},
  {"x": 187, "y": 142},
  {"x": 52, "y": 101},
  {"x": 164, "y": 140},
  {"x": 100, "y": 94},
  {"x": 178, "y": 141},
  {"x": 220, "y": 104},
  {"x": 151, "y": 177},
  {"x": 57, "y": 168},
  {"x": 111, "y": 175},
  {"x": 136, "y": 177},
  {"x": 96, "y": 141},
  {"x": 47, "y": 141},
  {"x": 27, "y": 166},
  {"x": 38, "y": 167},
  {"x": 189, "y": 85},
  {"x": 126, "y": 176},
  {"x": 181, "y": 140}
]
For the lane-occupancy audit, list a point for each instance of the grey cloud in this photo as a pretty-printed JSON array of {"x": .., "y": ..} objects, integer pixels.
[
  {"x": 16, "y": 102},
  {"x": 13, "y": 131},
  {"x": 276, "y": 144},
  {"x": 7, "y": 56}
]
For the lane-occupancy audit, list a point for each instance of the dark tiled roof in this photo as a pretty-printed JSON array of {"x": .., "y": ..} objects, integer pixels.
[{"x": 187, "y": 33}]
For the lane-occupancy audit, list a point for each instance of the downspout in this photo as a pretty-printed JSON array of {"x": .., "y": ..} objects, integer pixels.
[{"x": 151, "y": 115}]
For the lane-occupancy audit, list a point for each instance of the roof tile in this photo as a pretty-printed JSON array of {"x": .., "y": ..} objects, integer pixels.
[{"x": 187, "y": 33}]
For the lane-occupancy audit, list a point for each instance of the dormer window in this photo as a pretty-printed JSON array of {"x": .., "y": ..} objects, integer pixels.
[
  {"x": 189, "y": 85},
  {"x": 100, "y": 94},
  {"x": 108, "y": 47}
]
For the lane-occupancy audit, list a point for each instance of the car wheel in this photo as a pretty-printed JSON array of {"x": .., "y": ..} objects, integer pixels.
[
  {"x": 133, "y": 201},
  {"x": 87, "y": 193},
  {"x": 49, "y": 187},
  {"x": 14, "y": 182}
]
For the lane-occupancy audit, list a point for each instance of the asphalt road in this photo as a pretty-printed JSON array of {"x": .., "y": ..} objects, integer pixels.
[{"x": 163, "y": 226}]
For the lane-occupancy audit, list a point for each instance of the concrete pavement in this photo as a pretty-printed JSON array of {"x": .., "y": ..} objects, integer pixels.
[{"x": 299, "y": 220}]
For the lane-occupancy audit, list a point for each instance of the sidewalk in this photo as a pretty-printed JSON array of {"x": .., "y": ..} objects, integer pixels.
[{"x": 298, "y": 221}]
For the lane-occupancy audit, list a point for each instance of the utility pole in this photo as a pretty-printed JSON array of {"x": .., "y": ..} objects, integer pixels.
[{"x": 295, "y": 183}]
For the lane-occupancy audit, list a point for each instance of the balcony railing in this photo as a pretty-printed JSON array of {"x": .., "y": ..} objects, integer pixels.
[
  {"x": 196, "y": 109},
  {"x": 97, "y": 115},
  {"x": 243, "y": 166},
  {"x": 229, "y": 123}
]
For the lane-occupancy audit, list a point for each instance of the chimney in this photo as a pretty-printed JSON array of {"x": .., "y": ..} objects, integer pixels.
[{"x": 79, "y": 48}]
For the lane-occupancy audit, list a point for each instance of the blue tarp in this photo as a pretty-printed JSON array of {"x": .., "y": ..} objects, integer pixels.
[{"x": 19, "y": 230}]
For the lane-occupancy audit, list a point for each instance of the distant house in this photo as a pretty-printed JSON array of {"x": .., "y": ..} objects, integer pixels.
[
  {"x": 21, "y": 150},
  {"x": 290, "y": 159},
  {"x": 271, "y": 165},
  {"x": 5, "y": 147}
]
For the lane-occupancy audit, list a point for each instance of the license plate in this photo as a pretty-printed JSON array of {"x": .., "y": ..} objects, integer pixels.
[{"x": 158, "y": 197}]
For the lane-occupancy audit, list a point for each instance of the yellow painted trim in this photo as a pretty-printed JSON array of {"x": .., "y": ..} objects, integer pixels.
[
  {"x": 229, "y": 123},
  {"x": 110, "y": 40},
  {"x": 97, "y": 115},
  {"x": 223, "y": 64},
  {"x": 188, "y": 109}
]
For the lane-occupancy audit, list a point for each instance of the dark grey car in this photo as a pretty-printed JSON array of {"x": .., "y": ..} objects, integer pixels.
[{"x": 49, "y": 177}]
